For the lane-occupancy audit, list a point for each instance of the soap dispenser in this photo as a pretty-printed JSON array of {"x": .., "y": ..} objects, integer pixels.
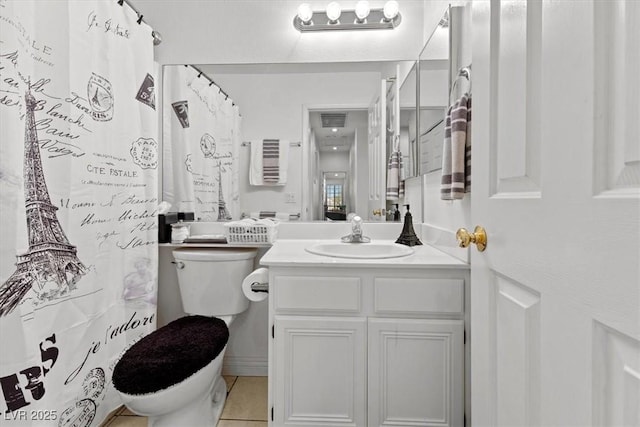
[
  {"x": 396, "y": 214},
  {"x": 408, "y": 236}
]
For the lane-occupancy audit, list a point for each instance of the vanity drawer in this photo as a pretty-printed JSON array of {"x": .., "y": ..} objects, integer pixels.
[
  {"x": 335, "y": 295},
  {"x": 418, "y": 296}
]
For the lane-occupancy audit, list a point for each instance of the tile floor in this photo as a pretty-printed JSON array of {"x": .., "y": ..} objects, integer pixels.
[{"x": 246, "y": 406}]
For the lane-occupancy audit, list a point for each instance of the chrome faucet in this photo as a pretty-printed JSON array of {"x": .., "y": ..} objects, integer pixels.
[{"x": 356, "y": 232}]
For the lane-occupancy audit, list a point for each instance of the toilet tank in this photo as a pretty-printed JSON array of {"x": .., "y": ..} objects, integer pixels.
[{"x": 210, "y": 279}]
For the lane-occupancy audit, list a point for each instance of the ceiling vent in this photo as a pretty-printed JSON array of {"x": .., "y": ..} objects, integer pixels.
[{"x": 333, "y": 120}]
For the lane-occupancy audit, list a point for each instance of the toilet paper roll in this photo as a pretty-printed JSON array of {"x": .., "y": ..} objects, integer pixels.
[{"x": 261, "y": 275}]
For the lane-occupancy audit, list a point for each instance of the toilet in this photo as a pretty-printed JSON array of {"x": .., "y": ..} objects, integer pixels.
[{"x": 173, "y": 375}]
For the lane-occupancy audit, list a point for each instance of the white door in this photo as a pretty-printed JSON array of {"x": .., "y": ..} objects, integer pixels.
[
  {"x": 377, "y": 153},
  {"x": 555, "y": 299}
]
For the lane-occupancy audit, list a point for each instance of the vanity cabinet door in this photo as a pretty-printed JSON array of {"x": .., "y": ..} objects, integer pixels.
[
  {"x": 416, "y": 372},
  {"x": 321, "y": 366}
]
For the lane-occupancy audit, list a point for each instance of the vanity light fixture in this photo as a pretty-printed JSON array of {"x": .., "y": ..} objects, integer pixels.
[
  {"x": 391, "y": 10},
  {"x": 334, "y": 18},
  {"x": 305, "y": 13},
  {"x": 334, "y": 129},
  {"x": 333, "y": 12},
  {"x": 335, "y": 148},
  {"x": 362, "y": 11}
]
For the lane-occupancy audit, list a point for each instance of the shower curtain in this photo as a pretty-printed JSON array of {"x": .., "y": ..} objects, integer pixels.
[
  {"x": 78, "y": 197},
  {"x": 201, "y": 139}
]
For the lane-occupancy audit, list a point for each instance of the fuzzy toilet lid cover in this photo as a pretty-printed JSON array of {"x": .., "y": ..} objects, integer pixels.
[{"x": 170, "y": 354}]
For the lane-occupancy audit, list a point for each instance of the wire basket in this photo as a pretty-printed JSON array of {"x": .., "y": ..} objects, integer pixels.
[{"x": 251, "y": 231}]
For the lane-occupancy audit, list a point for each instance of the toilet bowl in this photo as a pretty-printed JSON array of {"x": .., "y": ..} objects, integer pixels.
[{"x": 173, "y": 375}]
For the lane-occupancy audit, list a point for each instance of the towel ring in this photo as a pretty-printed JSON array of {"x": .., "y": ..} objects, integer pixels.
[{"x": 464, "y": 72}]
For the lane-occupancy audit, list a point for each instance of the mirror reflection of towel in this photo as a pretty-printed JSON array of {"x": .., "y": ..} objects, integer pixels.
[
  {"x": 282, "y": 216},
  {"x": 268, "y": 162},
  {"x": 395, "y": 176}
]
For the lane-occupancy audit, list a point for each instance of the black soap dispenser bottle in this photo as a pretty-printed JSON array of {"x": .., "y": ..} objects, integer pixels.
[
  {"x": 396, "y": 214},
  {"x": 408, "y": 236}
]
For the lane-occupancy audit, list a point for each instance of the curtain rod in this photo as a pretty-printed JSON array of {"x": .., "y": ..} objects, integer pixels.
[
  {"x": 157, "y": 39},
  {"x": 211, "y": 82}
]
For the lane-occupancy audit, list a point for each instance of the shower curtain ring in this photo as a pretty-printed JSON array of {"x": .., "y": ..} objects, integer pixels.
[{"x": 140, "y": 19}]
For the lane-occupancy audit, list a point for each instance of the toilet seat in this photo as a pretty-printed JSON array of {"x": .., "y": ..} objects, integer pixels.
[{"x": 170, "y": 354}]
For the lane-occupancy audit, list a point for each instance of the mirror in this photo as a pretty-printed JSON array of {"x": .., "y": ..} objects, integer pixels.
[
  {"x": 433, "y": 98},
  {"x": 287, "y": 102}
]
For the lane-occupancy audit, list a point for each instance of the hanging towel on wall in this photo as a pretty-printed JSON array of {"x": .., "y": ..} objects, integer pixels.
[
  {"x": 269, "y": 161},
  {"x": 395, "y": 173},
  {"x": 282, "y": 216},
  {"x": 456, "y": 150}
]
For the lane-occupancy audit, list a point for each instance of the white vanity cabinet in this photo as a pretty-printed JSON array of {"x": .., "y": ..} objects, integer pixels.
[{"x": 367, "y": 345}]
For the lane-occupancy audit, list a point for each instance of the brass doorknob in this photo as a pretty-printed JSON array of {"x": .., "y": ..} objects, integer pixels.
[{"x": 479, "y": 237}]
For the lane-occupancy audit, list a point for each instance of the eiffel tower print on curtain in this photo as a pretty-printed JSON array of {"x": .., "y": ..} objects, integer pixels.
[
  {"x": 50, "y": 267},
  {"x": 223, "y": 213}
]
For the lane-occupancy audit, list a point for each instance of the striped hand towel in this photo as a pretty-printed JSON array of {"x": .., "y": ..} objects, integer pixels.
[
  {"x": 256, "y": 163},
  {"x": 270, "y": 161},
  {"x": 282, "y": 216},
  {"x": 456, "y": 150},
  {"x": 395, "y": 176}
]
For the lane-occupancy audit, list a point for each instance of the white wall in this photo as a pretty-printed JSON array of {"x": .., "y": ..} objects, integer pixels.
[
  {"x": 434, "y": 88},
  {"x": 334, "y": 162},
  {"x": 432, "y": 14},
  {"x": 271, "y": 107},
  {"x": 442, "y": 214},
  {"x": 261, "y": 31}
]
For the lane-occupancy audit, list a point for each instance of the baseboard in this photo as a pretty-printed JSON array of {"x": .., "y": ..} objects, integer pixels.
[{"x": 245, "y": 366}]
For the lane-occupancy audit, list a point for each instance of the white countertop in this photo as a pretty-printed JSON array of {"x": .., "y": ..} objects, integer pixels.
[
  {"x": 292, "y": 253},
  {"x": 214, "y": 245}
]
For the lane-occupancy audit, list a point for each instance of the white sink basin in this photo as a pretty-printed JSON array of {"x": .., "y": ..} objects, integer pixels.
[{"x": 360, "y": 250}]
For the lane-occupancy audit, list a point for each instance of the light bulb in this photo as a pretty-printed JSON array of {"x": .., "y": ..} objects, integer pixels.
[
  {"x": 333, "y": 12},
  {"x": 362, "y": 10},
  {"x": 391, "y": 10},
  {"x": 335, "y": 148},
  {"x": 305, "y": 13}
]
